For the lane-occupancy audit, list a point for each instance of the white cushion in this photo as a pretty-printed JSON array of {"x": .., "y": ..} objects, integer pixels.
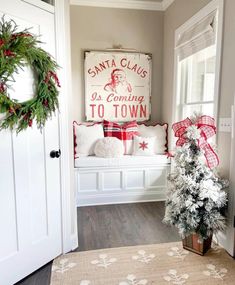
[
  {"x": 109, "y": 147},
  {"x": 124, "y": 161},
  {"x": 144, "y": 146},
  {"x": 158, "y": 131},
  {"x": 86, "y": 137}
]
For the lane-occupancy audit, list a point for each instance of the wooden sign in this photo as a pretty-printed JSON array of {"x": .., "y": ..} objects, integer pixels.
[{"x": 117, "y": 86}]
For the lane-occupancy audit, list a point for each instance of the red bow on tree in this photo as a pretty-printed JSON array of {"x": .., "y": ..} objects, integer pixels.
[{"x": 207, "y": 127}]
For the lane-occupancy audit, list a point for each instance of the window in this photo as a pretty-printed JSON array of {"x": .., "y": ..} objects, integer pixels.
[
  {"x": 47, "y": 5},
  {"x": 51, "y": 2},
  {"x": 197, "y": 80},
  {"x": 197, "y": 50}
]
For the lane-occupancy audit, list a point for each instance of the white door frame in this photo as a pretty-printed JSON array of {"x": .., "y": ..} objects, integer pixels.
[
  {"x": 68, "y": 199},
  {"x": 227, "y": 239},
  {"x": 231, "y": 196}
]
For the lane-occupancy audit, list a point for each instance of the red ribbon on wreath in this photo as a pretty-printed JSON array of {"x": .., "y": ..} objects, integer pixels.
[{"x": 206, "y": 125}]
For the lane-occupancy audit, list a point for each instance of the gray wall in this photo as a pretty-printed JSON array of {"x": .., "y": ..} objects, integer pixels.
[
  {"x": 100, "y": 28},
  {"x": 179, "y": 12}
]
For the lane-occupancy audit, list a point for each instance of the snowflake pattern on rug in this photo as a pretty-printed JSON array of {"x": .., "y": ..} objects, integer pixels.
[
  {"x": 64, "y": 265},
  {"x": 178, "y": 252},
  {"x": 132, "y": 280},
  {"x": 215, "y": 272},
  {"x": 103, "y": 261},
  {"x": 143, "y": 257},
  {"x": 175, "y": 278}
]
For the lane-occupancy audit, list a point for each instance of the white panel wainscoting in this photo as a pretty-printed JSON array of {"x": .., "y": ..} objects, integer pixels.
[{"x": 114, "y": 185}]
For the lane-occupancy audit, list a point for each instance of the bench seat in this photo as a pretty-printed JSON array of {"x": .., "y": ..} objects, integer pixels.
[
  {"x": 127, "y": 179},
  {"x": 124, "y": 161}
]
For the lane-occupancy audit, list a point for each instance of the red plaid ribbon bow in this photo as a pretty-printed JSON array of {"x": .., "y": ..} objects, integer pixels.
[{"x": 207, "y": 127}]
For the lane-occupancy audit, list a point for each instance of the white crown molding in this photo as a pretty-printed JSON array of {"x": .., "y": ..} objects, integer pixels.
[
  {"x": 126, "y": 4},
  {"x": 166, "y": 4}
]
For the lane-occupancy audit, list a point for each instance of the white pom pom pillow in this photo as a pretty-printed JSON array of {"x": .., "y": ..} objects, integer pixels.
[
  {"x": 159, "y": 131},
  {"x": 109, "y": 147},
  {"x": 85, "y": 138}
]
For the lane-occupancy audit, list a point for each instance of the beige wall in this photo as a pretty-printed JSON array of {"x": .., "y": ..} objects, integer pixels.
[
  {"x": 179, "y": 12},
  {"x": 100, "y": 28}
]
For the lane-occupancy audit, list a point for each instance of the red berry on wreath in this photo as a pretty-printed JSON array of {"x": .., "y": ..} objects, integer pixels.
[
  {"x": 25, "y": 35},
  {"x": 45, "y": 103},
  {"x": 13, "y": 37},
  {"x": 11, "y": 110},
  {"x": 8, "y": 53},
  {"x": 1, "y": 42},
  {"x": 30, "y": 123},
  {"x": 54, "y": 75},
  {"x": 2, "y": 88}
]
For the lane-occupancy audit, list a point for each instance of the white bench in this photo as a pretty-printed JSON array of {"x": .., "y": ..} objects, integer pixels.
[{"x": 127, "y": 179}]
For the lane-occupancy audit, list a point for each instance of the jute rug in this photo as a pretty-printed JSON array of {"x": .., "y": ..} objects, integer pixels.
[{"x": 144, "y": 265}]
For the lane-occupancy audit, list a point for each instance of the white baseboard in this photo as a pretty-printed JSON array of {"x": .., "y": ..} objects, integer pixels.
[
  {"x": 120, "y": 198},
  {"x": 74, "y": 242}
]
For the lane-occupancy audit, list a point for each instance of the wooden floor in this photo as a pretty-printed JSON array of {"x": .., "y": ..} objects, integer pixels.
[
  {"x": 123, "y": 225},
  {"x": 114, "y": 226}
]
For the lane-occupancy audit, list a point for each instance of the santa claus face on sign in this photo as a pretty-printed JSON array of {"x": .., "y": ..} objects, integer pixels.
[{"x": 118, "y": 78}]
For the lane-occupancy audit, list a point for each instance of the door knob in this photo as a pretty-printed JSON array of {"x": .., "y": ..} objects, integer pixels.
[{"x": 55, "y": 153}]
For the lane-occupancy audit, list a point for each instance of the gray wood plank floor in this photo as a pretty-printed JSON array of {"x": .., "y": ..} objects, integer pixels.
[{"x": 114, "y": 226}]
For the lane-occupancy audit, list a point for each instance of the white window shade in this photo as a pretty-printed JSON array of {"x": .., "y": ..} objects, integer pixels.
[{"x": 198, "y": 37}]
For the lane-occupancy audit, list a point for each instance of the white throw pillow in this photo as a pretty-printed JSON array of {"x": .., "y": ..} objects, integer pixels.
[
  {"x": 158, "y": 131},
  {"x": 109, "y": 147},
  {"x": 144, "y": 145},
  {"x": 85, "y": 138}
]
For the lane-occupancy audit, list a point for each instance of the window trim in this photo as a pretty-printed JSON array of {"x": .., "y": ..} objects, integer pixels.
[
  {"x": 213, "y": 5},
  {"x": 42, "y": 5}
]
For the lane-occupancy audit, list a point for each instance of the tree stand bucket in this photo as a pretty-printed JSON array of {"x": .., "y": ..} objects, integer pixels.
[{"x": 191, "y": 243}]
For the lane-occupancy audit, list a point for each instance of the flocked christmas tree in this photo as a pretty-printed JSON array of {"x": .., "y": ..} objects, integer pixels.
[{"x": 195, "y": 196}]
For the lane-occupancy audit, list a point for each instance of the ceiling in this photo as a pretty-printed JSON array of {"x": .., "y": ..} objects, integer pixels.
[{"x": 150, "y": 0}]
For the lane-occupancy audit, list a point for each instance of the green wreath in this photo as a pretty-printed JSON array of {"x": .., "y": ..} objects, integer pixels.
[{"x": 19, "y": 49}]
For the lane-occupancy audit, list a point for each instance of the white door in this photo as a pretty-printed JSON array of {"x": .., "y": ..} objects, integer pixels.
[{"x": 30, "y": 204}]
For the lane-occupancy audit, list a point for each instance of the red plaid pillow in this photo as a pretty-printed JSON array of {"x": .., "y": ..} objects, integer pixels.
[{"x": 125, "y": 132}]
